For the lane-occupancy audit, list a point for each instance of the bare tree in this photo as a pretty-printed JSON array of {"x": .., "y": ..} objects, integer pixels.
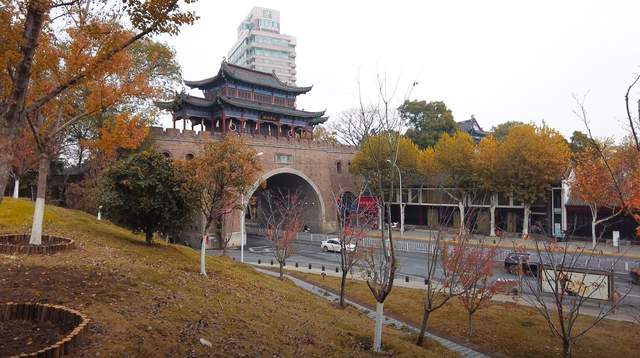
[
  {"x": 282, "y": 216},
  {"x": 568, "y": 282},
  {"x": 443, "y": 273},
  {"x": 355, "y": 125},
  {"x": 355, "y": 219},
  {"x": 632, "y": 121},
  {"x": 379, "y": 176}
]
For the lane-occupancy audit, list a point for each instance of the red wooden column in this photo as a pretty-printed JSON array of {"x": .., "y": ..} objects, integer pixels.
[{"x": 224, "y": 122}]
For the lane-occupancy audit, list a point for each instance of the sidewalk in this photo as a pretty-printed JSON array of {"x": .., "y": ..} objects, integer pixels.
[{"x": 631, "y": 251}]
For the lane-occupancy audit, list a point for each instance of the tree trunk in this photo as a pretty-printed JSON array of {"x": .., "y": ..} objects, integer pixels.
[
  {"x": 492, "y": 211},
  {"x": 148, "y": 236},
  {"x": 525, "y": 221},
  {"x": 566, "y": 348},
  {"x": 281, "y": 270},
  {"x": 220, "y": 235},
  {"x": 38, "y": 214},
  {"x": 5, "y": 158},
  {"x": 203, "y": 269},
  {"x": 423, "y": 327},
  {"x": 594, "y": 222},
  {"x": 469, "y": 325},
  {"x": 16, "y": 188},
  {"x": 461, "y": 208},
  {"x": 343, "y": 283},
  {"x": 377, "y": 337},
  {"x": 593, "y": 233}
]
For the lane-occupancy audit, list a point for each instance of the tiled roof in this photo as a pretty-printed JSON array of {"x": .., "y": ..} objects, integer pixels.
[
  {"x": 248, "y": 75},
  {"x": 267, "y": 107},
  {"x": 242, "y": 103}
]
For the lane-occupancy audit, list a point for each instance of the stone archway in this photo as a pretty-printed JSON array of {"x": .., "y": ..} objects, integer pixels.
[{"x": 291, "y": 179}]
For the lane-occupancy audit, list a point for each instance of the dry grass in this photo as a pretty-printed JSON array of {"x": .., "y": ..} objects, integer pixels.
[
  {"x": 504, "y": 328},
  {"x": 151, "y": 301}
]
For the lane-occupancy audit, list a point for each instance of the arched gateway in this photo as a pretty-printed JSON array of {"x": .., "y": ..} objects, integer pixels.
[{"x": 260, "y": 108}]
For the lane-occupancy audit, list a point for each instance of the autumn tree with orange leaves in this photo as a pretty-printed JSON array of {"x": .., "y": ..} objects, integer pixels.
[
  {"x": 220, "y": 175},
  {"x": 593, "y": 184},
  {"x": 476, "y": 284},
  {"x": 67, "y": 61},
  {"x": 54, "y": 52},
  {"x": 24, "y": 160}
]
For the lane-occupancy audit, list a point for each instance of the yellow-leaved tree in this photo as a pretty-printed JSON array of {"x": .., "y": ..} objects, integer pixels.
[
  {"x": 450, "y": 166},
  {"x": 531, "y": 160}
]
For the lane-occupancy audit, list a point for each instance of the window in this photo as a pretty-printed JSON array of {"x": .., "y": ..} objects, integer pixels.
[
  {"x": 166, "y": 154},
  {"x": 189, "y": 156},
  {"x": 339, "y": 167},
  {"x": 284, "y": 158},
  {"x": 262, "y": 98},
  {"x": 244, "y": 94}
]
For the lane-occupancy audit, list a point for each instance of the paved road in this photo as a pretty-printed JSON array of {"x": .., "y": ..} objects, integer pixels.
[{"x": 411, "y": 264}]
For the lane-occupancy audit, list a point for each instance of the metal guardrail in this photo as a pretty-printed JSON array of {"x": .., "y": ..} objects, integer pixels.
[{"x": 603, "y": 263}]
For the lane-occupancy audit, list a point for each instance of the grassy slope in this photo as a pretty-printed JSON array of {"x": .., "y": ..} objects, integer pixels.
[
  {"x": 510, "y": 329},
  {"x": 150, "y": 301}
]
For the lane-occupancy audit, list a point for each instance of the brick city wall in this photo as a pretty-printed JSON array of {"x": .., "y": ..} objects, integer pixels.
[{"x": 318, "y": 161}]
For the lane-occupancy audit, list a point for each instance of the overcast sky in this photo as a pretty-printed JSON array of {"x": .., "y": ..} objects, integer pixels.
[{"x": 497, "y": 60}]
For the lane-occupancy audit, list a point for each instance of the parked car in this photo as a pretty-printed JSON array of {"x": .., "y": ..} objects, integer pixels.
[
  {"x": 333, "y": 244},
  {"x": 527, "y": 262},
  {"x": 634, "y": 275}
]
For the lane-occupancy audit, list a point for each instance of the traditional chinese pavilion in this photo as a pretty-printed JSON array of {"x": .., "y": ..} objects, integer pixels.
[{"x": 243, "y": 100}]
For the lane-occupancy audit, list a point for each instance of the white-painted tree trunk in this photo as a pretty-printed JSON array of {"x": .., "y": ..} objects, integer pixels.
[
  {"x": 594, "y": 223},
  {"x": 16, "y": 188},
  {"x": 461, "y": 209},
  {"x": 377, "y": 336},
  {"x": 203, "y": 269},
  {"x": 492, "y": 230},
  {"x": 492, "y": 212},
  {"x": 525, "y": 221},
  {"x": 38, "y": 214}
]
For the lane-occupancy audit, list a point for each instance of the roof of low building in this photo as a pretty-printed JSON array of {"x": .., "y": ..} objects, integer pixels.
[
  {"x": 471, "y": 125},
  {"x": 248, "y": 75}
]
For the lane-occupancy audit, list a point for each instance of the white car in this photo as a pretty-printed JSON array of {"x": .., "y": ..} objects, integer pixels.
[{"x": 334, "y": 245}]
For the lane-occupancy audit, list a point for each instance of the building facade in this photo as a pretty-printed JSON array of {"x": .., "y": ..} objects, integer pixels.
[
  {"x": 260, "y": 45},
  {"x": 261, "y": 109}
]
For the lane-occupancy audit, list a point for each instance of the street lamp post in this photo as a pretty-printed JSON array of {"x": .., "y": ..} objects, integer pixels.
[
  {"x": 243, "y": 234},
  {"x": 400, "y": 198}
]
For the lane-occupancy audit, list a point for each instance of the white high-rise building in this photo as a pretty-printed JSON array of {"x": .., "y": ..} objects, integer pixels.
[{"x": 261, "y": 46}]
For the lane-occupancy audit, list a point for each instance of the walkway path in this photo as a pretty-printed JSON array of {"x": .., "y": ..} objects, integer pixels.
[
  {"x": 588, "y": 309},
  {"x": 453, "y": 346}
]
